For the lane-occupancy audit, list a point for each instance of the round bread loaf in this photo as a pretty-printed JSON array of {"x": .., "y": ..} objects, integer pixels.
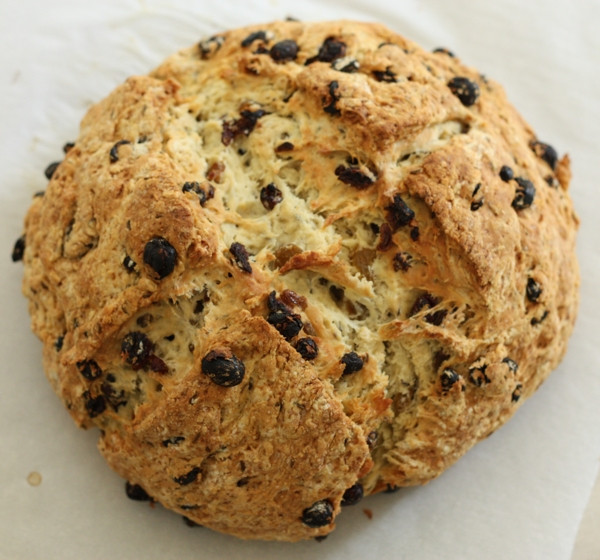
[{"x": 298, "y": 264}]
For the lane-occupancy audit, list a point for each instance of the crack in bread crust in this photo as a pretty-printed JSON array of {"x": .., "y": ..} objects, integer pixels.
[{"x": 376, "y": 294}]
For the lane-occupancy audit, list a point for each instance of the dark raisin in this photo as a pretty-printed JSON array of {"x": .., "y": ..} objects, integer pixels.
[
  {"x": 476, "y": 205},
  {"x": 385, "y": 237},
  {"x": 275, "y": 305},
  {"x": 156, "y": 364},
  {"x": 107, "y": 389},
  {"x": 244, "y": 125},
  {"x": 546, "y": 152},
  {"x": 478, "y": 377},
  {"x": 476, "y": 189},
  {"x": 284, "y": 51},
  {"x": 536, "y": 321},
  {"x": 284, "y": 147},
  {"x": 506, "y": 173},
  {"x": 349, "y": 66},
  {"x": 67, "y": 147},
  {"x": 445, "y": 51},
  {"x": 448, "y": 378},
  {"x": 374, "y": 228},
  {"x": 203, "y": 194},
  {"x": 89, "y": 369},
  {"x": 516, "y": 394},
  {"x": 136, "y": 349},
  {"x": 402, "y": 261},
  {"x": 209, "y": 191},
  {"x": 330, "y": 50},
  {"x": 334, "y": 97},
  {"x": 18, "y": 249},
  {"x": 353, "y": 495},
  {"x": 385, "y": 75},
  {"x": 129, "y": 264},
  {"x": 169, "y": 337},
  {"x": 318, "y": 515},
  {"x": 512, "y": 365},
  {"x": 352, "y": 363},
  {"x": 161, "y": 256},
  {"x": 354, "y": 177},
  {"x": 288, "y": 324},
  {"x": 336, "y": 293},
  {"x": 189, "y": 522},
  {"x": 415, "y": 233},
  {"x": 307, "y": 348},
  {"x": 524, "y": 194},
  {"x": 424, "y": 300},
  {"x": 175, "y": 440},
  {"x": 466, "y": 90},
  {"x": 533, "y": 290},
  {"x": 115, "y": 399},
  {"x": 439, "y": 358},
  {"x": 437, "y": 317},
  {"x": 188, "y": 477},
  {"x": 49, "y": 171},
  {"x": 256, "y": 36},
  {"x": 192, "y": 186},
  {"x": 372, "y": 439},
  {"x": 94, "y": 405},
  {"x": 398, "y": 213},
  {"x": 114, "y": 151},
  {"x": 208, "y": 47},
  {"x": 58, "y": 344},
  {"x": 223, "y": 368},
  {"x": 136, "y": 492},
  {"x": 270, "y": 196},
  {"x": 240, "y": 254},
  {"x": 391, "y": 489}
]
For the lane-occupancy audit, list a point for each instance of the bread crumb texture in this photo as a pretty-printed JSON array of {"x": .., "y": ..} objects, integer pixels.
[{"x": 298, "y": 259}]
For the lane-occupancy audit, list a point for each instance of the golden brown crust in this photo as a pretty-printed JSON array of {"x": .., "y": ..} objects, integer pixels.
[
  {"x": 338, "y": 218},
  {"x": 257, "y": 445}
]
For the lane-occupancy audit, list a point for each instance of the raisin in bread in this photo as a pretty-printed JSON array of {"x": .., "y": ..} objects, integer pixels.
[{"x": 296, "y": 264}]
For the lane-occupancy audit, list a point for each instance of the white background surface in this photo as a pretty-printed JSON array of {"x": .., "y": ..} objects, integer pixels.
[{"x": 521, "y": 494}]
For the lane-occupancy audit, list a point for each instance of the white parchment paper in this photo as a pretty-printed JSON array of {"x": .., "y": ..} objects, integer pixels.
[{"x": 520, "y": 494}]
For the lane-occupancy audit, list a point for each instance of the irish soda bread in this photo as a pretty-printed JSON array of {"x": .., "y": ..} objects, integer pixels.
[{"x": 298, "y": 264}]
